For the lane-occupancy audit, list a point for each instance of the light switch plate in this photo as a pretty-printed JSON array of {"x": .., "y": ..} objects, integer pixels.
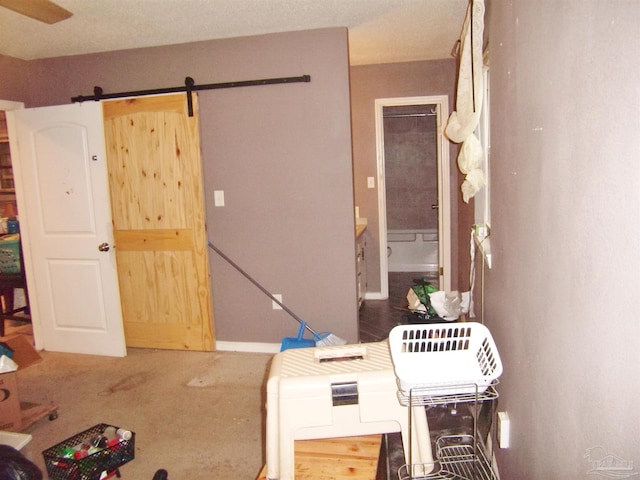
[
  {"x": 274, "y": 305},
  {"x": 218, "y": 198},
  {"x": 371, "y": 182}
]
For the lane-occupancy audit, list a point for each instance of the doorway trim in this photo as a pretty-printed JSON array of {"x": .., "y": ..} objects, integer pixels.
[
  {"x": 10, "y": 105},
  {"x": 444, "y": 197},
  {"x": 6, "y": 106}
]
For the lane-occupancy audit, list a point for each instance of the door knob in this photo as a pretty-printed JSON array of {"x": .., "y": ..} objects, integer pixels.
[
  {"x": 435, "y": 207},
  {"x": 103, "y": 247}
]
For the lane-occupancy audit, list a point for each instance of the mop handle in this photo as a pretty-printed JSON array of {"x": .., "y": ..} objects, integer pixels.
[{"x": 261, "y": 288}]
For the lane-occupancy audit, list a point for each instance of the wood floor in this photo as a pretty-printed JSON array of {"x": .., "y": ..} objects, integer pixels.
[{"x": 378, "y": 317}]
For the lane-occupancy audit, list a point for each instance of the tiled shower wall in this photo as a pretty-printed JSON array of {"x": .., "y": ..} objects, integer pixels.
[{"x": 410, "y": 167}]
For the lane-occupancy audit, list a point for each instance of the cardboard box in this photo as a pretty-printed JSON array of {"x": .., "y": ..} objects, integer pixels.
[
  {"x": 24, "y": 355},
  {"x": 23, "y": 352},
  {"x": 10, "y": 417}
]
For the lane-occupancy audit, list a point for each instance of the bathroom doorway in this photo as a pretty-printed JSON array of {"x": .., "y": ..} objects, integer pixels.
[{"x": 413, "y": 193}]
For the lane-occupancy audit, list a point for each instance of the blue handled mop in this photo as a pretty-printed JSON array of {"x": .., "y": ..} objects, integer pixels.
[{"x": 320, "y": 339}]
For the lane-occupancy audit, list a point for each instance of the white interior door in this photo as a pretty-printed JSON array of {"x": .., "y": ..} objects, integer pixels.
[{"x": 59, "y": 161}]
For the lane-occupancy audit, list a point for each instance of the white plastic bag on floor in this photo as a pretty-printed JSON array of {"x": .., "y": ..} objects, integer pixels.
[{"x": 450, "y": 305}]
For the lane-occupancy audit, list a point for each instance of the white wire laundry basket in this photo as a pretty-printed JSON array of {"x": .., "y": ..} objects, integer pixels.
[{"x": 459, "y": 358}]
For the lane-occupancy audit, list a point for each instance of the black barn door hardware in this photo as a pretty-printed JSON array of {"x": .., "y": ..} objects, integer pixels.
[{"x": 189, "y": 87}]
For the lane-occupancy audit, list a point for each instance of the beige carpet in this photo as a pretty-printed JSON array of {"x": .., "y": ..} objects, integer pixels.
[{"x": 197, "y": 415}]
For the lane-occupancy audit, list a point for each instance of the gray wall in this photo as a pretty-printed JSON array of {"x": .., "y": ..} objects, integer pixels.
[
  {"x": 14, "y": 79},
  {"x": 282, "y": 155},
  {"x": 561, "y": 298}
]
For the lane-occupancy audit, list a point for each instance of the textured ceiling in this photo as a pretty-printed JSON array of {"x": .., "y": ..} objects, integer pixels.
[{"x": 380, "y": 31}]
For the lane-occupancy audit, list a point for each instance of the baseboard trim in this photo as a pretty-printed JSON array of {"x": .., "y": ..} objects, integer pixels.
[
  {"x": 250, "y": 347},
  {"x": 374, "y": 296}
]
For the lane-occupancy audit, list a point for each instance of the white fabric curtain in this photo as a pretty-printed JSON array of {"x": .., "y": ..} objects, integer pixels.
[{"x": 464, "y": 120}]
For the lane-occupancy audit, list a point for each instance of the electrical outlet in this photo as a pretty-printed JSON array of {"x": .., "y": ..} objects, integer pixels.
[
  {"x": 503, "y": 429},
  {"x": 274, "y": 305}
]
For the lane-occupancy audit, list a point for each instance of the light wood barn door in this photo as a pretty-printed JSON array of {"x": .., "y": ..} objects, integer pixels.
[{"x": 155, "y": 179}]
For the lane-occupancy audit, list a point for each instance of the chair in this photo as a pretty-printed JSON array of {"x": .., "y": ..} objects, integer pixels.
[{"x": 8, "y": 283}]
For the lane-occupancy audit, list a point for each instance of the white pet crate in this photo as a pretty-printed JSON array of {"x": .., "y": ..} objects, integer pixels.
[{"x": 337, "y": 391}]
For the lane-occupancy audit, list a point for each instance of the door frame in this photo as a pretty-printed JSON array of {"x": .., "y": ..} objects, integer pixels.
[
  {"x": 444, "y": 189},
  {"x": 8, "y": 105}
]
